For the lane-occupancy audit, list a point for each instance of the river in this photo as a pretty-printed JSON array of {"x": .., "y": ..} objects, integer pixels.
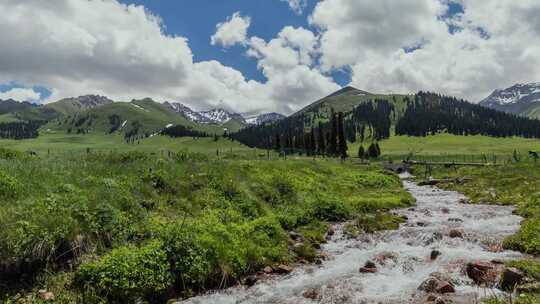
[{"x": 338, "y": 279}]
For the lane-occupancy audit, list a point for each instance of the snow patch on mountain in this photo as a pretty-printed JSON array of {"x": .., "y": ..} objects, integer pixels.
[
  {"x": 264, "y": 118},
  {"x": 220, "y": 116},
  {"x": 512, "y": 95}
]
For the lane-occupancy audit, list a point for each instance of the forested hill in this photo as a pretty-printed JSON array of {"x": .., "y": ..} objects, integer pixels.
[{"x": 421, "y": 114}]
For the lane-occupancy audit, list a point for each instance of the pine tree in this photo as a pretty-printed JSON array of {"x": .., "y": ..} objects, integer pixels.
[
  {"x": 333, "y": 143},
  {"x": 361, "y": 152},
  {"x": 372, "y": 151},
  {"x": 321, "y": 146},
  {"x": 342, "y": 141}
]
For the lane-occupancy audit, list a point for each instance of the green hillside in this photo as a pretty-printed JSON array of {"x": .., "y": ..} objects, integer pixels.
[
  {"x": 345, "y": 100},
  {"x": 14, "y": 111},
  {"x": 138, "y": 117}
]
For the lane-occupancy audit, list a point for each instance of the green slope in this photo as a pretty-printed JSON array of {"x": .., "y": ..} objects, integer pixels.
[
  {"x": 14, "y": 111},
  {"x": 71, "y": 106},
  {"x": 345, "y": 100},
  {"x": 138, "y": 117}
]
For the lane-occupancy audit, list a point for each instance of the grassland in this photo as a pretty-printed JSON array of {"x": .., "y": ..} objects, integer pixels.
[
  {"x": 441, "y": 145},
  {"x": 515, "y": 184},
  {"x": 59, "y": 143},
  {"x": 134, "y": 227},
  {"x": 452, "y": 146}
]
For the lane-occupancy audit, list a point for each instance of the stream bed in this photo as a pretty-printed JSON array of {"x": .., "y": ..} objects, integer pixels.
[{"x": 408, "y": 260}]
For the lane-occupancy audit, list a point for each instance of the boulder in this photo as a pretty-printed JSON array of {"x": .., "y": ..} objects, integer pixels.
[
  {"x": 481, "y": 272},
  {"x": 331, "y": 231},
  {"x": 429, "y": 285},
  {"x": 437, "y": 284},
  {"x": 283, "y": 269},
  {"x": 456, "y": 233},
  {"x": 511, "y": 277},
  {"x": 311, "y": 293},
  {"x": 444, "y": 287},
  {"x": 369, "y": 267},
  {"x": 251, "y": 280},
  {"x": 268, "y": 270},
  {"x": 434, "y": 254}
]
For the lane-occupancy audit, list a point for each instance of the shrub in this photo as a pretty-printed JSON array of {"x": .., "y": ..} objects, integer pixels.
[
  {"x": 127, "y": 274},
  {"x": 527, "y": 240},
  {"x": 9, "y": 186},
  {"x": 327, "y": 209}
]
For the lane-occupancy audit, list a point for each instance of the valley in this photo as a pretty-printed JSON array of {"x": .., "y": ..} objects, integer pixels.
[{"x": 149, "y": 203}]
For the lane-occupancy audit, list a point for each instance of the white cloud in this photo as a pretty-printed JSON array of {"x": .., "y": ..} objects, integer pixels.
[
  {"x": 297, "y": 6},
  {"x": 231, "y": 32},
  {"x": 370, "y": 37},
  {"x": 20, "y": 94},
  {"x": 78, "y": 47}
]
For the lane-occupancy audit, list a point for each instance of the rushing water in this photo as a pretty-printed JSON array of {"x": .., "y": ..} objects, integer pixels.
[{"x": 338, "y": 279}]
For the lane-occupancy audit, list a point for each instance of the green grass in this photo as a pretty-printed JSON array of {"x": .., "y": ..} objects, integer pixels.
[
  {"x": 447, "y": 144},
  {"x": 61, "y": 143},
  {"x": 134, "y": 226}
]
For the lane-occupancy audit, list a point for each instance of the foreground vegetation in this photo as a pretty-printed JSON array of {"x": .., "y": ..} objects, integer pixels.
[
  {"x": 516, "y": 184},
  {"x": 127, "y": 227}
]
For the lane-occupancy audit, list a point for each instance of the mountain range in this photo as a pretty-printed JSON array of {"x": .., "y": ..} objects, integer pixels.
[
  {"x": 94, "y": 113},
  {"x": 519, "y": 99}
]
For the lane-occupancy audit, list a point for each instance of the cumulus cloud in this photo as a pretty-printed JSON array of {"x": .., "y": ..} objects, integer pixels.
[
  {"x": 406, "y": 46},
  {"x": 231, "y": 32},
  {"x": 77, "y": 47},
  {"x": 20, "y": 94},
  {"x": 297, "y": 6}
]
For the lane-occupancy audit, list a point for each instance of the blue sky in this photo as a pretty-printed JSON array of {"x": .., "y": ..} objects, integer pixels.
[{"x": 197, "y": 21}]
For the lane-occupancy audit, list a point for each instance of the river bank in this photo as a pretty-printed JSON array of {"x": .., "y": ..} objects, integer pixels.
[{"x": 430, "y": 257}]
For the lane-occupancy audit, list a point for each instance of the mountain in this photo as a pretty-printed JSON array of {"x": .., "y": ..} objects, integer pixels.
[
  {"x": 221, "y": 116},
  {"x": 135, "y": 118},
  {"x": 264, "y": 118},
  {"x": 14, "y": 111},
  {"x": 519, "y": 99},
  {"x": 214, "y": 116},
  {"x": 187, "y": 112},
  {"x": 69, "y": 106},
  {"x": 376, "y": 117},
  {"x": 342, "y": 100}
]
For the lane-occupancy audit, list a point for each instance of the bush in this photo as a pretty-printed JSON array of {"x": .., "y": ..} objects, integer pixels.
[
  {"x": 127, "y": 274},
  {"x": 9, "y": 186},
  {"x": 330, "y": 210},
  {"x": 527, "y": 240}
]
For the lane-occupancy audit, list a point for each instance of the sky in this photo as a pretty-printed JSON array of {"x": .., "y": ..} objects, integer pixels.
[{"x": 255, "y": 56}]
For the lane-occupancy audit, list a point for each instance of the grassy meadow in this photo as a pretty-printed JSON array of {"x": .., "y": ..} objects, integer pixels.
[{"x": 135, "y": 227}]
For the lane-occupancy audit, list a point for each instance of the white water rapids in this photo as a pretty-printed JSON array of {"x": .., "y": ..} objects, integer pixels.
[{"x": 338, "y": 279}]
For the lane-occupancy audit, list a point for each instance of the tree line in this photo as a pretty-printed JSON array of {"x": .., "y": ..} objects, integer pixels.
[
  {"x": 312, "y": 134},
  {"x": 20, "y": 129},
  {"x": 431, "y": 113}
]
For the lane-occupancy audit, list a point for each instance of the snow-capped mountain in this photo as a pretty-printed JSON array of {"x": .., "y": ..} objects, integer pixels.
[
  {"x": 222, "y": 116},
  {"x": 264, "y": 118},
  {"x": 519, "y": 99},
  {"x": 187, "y": 112},
  {"x": 214, "y": 116}
]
